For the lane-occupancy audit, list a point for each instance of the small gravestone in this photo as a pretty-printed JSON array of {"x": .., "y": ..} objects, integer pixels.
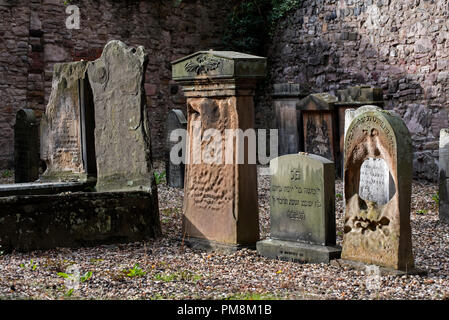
[
  {"x": 320, "y": 126},
  {"x": 444, "y": 176},
  {"x": 302, "y": 206},
  {"x": 175, "y": 171},
  {"x": 26, "y": 146},
  {"x": 288, "y": 119},
  {"x": 375, "y": 232}
]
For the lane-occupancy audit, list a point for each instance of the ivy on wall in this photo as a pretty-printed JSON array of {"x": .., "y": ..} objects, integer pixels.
[{"x": 251, "y": 23}]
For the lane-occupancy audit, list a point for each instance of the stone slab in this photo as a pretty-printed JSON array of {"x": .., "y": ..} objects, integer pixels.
[
  {"x": 297, "y": 251},
  {"x": 41, "y": 222},
  {"x": 36, "y": 188}
]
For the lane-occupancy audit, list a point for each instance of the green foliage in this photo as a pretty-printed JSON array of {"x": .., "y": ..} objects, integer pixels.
[
  {"x": 436, "y": 198},
  {"x": 250, "y": 23},
  {"x": 6, "y": 174},
  {"x": 31, "y": 265},
  {"x": 339, "y": 196},
  {"x": 183, "y": 275},
  {"x": 159, "y": 177},
  {"x": 421, "y": 212},
  {"x": 135, "y": 271}
]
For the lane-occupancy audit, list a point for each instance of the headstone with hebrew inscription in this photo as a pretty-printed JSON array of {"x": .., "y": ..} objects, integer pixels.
[
  {"x": 444, "y": 176},
  {"x": 302, "y": 208},
  {"x": 175, "y": 148},
  {"x": 220, "y": 202},
  {"x": 376, "y": 232},
  {"x": 376, "y": 183}
]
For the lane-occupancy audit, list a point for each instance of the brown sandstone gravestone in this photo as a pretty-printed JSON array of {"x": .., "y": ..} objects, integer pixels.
[
  {"x": 26, "y": 146},
  {"x": 174, "y": 170},
  {"x": 376, "y": 233},
  {"x": 302, "y": 208},
  {"x": 444, "y": 176},
  {"x": 320, "y": 126},
  {"x": 122, "y": 135},
  {"x": 61, "y": 125},
  {"x": 220, "y": 202}
]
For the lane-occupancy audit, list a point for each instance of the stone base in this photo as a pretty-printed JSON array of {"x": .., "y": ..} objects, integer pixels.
[
  {"x": 297, "y": 251},
  {"x": 384, "y": 271},
  {"x": 209, "y": 245},
  {"x": 77, "y": 219}
]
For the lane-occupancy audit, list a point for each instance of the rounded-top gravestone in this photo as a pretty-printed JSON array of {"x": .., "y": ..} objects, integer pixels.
[{"x": 377, "y": 229}]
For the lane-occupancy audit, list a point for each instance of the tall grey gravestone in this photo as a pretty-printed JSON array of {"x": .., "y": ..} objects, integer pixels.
[
  {"x": 26, "y": 147},
  {"x": 175, "y": 171},
  {"x": 302, "y": 207},
  {"x": 444, "y": 176}
]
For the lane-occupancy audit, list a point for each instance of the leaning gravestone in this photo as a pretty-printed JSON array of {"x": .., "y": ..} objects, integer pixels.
[
  {"x": 444, "y": 176},
  {"x": 175, "y": 171},
  {"x": 220, "y": 202},
  {"x": 302, "y": 206},
  {"x": 376, "y": 233},
  {"x": 61, "y": 125},
  {"x": 122, "y": 135},
  {"x": 26, "y": 146}
]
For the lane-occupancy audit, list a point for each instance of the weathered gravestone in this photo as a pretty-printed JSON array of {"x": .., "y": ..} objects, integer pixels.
[
  {"x": 376, "y": 233},
  {"x": 220, "y": 202},
  {"x": 122, "y": 135},
  {"x": 302, "y": 207},
  {"x": 61, "y": 125},
  {"x": 320, "y": 126},
  {"x": 288, "y": 119},
  {"x": 444, "y": 176},
  {"x": 123, "y": 207},
  {"x": 376, "y": 183},
  {"x": 26, "y": 146},
  {"x": 176, "y": 124}
]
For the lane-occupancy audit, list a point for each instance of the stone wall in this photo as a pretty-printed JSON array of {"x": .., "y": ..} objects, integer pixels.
[
  {"x": 33, "y": 37},
  {"x": 398, "y": 45}
]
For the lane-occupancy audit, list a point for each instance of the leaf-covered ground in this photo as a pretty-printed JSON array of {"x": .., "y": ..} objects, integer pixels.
[{"x": 166, "y": 269}]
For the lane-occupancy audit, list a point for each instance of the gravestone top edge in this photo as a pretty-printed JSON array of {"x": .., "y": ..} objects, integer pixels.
[
  {"x": 302, "y": 155},
  {"x": 179, "y": 115},
  {"x": 208, "y": 65},
  {"x": 318, "y": 101}
]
